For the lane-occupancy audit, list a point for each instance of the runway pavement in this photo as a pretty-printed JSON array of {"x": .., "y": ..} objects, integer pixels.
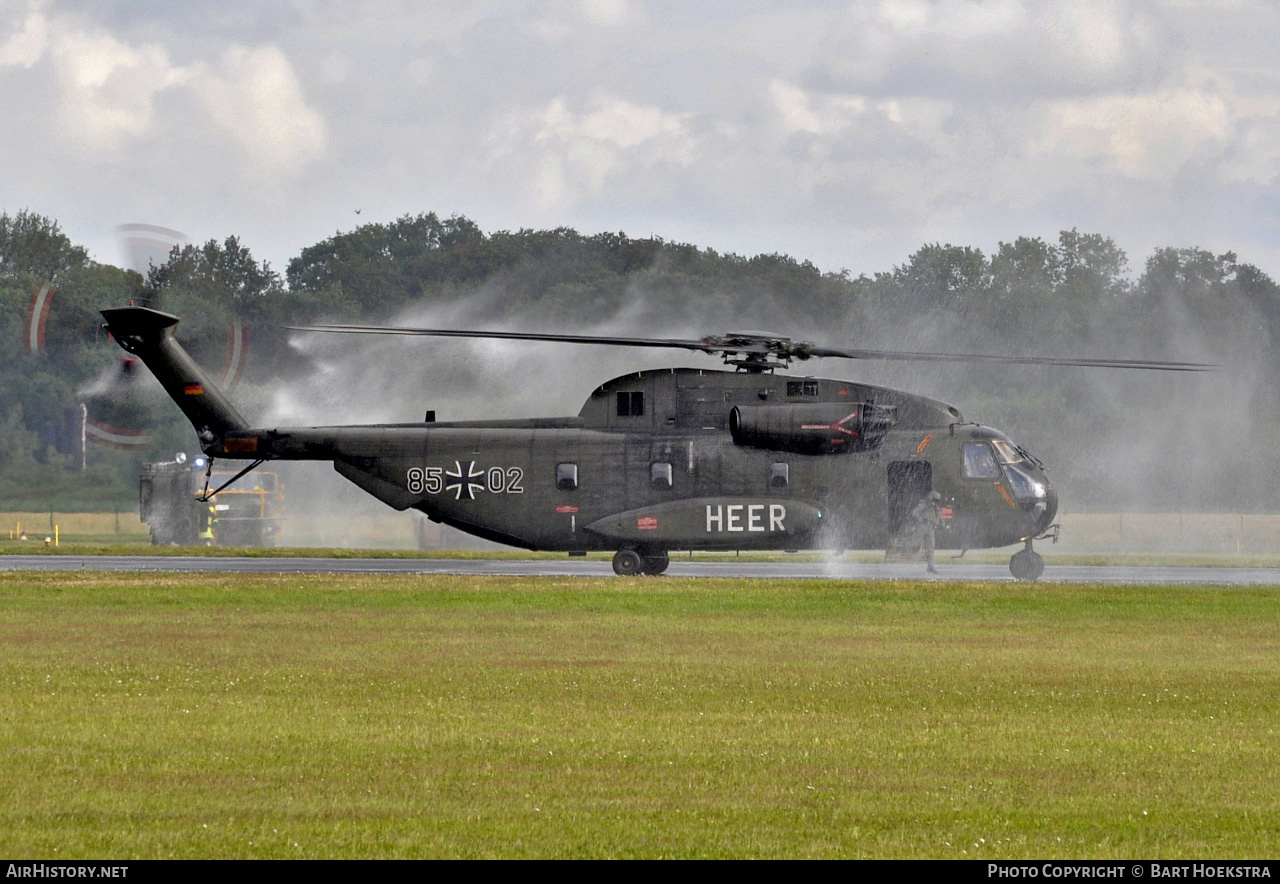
[{"x": 1119, "y": 574}]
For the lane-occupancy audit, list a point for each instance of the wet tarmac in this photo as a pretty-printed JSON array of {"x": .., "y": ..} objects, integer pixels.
[{"x": 1104, "y": 574}]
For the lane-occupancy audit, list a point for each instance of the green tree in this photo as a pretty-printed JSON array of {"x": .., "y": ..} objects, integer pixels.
[
  {"x": 34, "y": 245},
  {"x": 221, "y": 276},
  {"x": 940, "y": 275},
  {"x": 378, "y": 267}
]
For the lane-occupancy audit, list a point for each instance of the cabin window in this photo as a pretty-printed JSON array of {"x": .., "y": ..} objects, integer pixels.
[
  {"x": 631, "y": 404},
  {"x": 566, "y": 476},
  {"x": 660, "y": 475},
  {"x": 802, "y": 388},
  {"x": 980, "y": 461},
  {"x": 779, "y": 475}
]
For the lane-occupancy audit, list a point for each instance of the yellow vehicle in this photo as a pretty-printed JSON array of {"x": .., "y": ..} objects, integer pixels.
[{"x": 248, "y": 514}]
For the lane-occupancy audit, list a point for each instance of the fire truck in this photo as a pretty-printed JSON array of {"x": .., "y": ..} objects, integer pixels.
[{"x": 248, "y": 513}]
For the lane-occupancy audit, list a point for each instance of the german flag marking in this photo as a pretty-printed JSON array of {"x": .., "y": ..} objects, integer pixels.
[{"x": 194, "y": 389}]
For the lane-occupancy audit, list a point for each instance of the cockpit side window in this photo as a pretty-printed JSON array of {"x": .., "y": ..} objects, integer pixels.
[{"x": 980, "y": 461}]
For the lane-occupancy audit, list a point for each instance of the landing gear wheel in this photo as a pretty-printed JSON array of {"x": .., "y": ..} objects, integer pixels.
[
  {"x": 1037, "y": 565},
  {"x": 1026, "y": 565},
  {"x": 656, "y": 563},
  {"x": 627, "y": 563}
]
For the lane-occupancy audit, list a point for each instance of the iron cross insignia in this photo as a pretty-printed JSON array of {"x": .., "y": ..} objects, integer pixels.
[{"x": 464, "y": 483}]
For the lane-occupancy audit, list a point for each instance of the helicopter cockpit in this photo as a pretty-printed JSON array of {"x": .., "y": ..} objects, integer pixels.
[{"x": 1024, "y": 475}]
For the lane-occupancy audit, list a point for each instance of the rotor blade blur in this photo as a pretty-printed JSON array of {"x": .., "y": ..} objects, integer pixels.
[{"x": 1145, "y": 364}]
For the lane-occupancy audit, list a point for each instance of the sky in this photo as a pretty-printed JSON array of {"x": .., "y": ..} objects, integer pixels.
[{"x": 847, "y": 134}]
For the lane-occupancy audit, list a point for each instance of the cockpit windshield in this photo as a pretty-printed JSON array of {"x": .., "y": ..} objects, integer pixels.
[{"x": 1025, "y": 486}]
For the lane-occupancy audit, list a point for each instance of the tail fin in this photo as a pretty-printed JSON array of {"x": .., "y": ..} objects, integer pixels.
[{"x": 148, "y": 334}]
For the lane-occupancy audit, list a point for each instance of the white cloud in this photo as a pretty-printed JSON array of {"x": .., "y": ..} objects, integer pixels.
[
  {"x": 564, "y": 21},
  {"x": 572, "y": 153},
  {"x": 801, "y": 111},
  {"x": 1152, "y": 136},
  {"x": 108, "y": 90},
  {"x": 619, "y": 123},
  {"x": 612, "y": 13},
  {"x": 109, "y": 87},
  {"x": 993, "y": 47},
  {"x": 1146, "y": 137},
  {"x": 25, "y": 45},
  {"x": 254, "y": 94},
  {"x": 841, "y": 118}
]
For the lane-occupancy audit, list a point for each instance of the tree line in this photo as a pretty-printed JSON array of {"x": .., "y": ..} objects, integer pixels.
[{"x": 1073, "y": 296}]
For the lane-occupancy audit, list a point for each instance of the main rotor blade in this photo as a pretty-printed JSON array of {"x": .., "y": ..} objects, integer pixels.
[
  {"x": 617, "y": 341},
  {"x": 749, "y": 344},
  {"x": 1147, "y": 364}
]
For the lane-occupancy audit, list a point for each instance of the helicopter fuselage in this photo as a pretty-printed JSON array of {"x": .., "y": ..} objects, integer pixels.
[{"x": 652, "y": 461}]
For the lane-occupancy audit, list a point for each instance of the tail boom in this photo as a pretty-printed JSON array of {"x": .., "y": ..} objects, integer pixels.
[{"x": 148, "y": 334}]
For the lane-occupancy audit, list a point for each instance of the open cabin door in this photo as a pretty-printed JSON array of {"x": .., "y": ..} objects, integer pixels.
[{"x": 908, "y": 482}]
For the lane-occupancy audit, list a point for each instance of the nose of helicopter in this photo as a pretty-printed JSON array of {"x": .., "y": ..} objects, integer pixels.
[
  {"x": 1044, "y": 510},
  {"x": 1034, "y": 493}
]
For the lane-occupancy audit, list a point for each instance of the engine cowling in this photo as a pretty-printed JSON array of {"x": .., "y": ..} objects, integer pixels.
[{"x": 816, "y": 428}]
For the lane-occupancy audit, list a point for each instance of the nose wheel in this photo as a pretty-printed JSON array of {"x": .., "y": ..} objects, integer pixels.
[{"x": 1026, "y": 564}]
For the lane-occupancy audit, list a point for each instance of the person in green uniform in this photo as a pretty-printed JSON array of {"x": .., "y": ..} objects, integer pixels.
[{"x": 924, "y": 522}]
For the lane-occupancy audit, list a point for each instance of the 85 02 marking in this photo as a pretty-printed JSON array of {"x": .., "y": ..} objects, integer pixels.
[{"x": 465, "y": 480}]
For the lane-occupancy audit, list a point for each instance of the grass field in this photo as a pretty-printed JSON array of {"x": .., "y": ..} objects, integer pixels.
[{"x": 376, "y": 716}]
